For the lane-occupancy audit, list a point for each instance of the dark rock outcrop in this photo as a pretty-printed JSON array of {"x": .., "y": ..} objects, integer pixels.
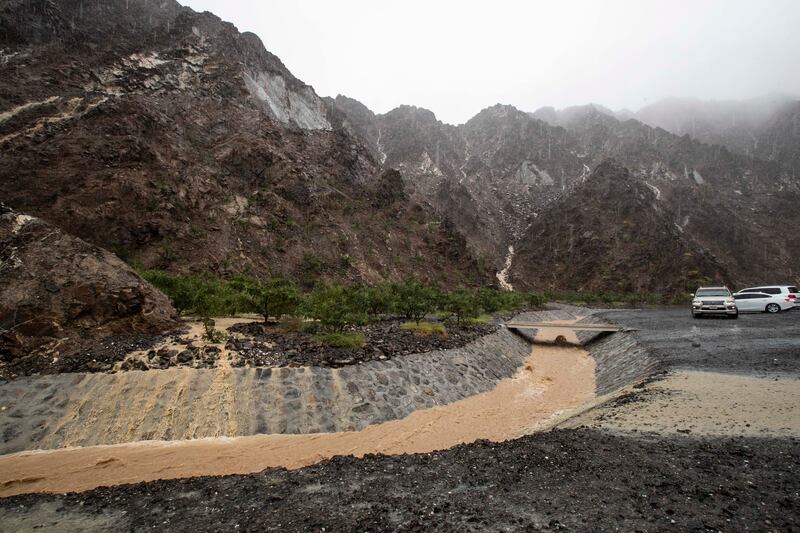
[
  {"x": 59, "y": 293},
  {"x": 177, "y": 142}
]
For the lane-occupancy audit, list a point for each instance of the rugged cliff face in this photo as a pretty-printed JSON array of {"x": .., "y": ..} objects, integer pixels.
[
  {"x": 59, "y": 293},
  {"x": 611, "y": 233},
  {"x": 173, "y": 140}
]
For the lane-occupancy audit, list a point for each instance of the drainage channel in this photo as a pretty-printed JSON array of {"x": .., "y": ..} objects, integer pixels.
[{"x": 552, "y": 383}]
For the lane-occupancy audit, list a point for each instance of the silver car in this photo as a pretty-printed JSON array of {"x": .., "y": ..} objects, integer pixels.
[{"x": 714, "y": 301}]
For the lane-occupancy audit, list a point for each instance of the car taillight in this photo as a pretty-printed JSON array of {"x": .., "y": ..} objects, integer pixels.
[{"x": 792, "y": 296}]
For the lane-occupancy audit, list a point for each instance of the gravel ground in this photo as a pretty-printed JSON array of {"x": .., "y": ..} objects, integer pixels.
[
  {"x": 272, "y": 345},
  {"x": 566, "y": 479},
  {"x": 756, "y": 344},
  {"x": 561, "y": 480},
  {"x": 99, "y": 358}
]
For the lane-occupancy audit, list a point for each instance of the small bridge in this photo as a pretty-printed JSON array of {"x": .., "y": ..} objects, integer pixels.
[
  {"x": 609, "y": 328},
  {"x": 563, "y": 334}
]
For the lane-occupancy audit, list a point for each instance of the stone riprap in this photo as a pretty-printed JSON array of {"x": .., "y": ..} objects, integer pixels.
[
  {"x": 45, "y": 412},
  {"x": 53, "y": 411},
  {"x": 620, "y": 361}
]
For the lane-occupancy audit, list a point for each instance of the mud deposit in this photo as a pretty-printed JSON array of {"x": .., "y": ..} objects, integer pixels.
[
  {"x": 708, "y": 403},
  {"x": 551, "y": 382},
  {"x": 573, "y": 480}
]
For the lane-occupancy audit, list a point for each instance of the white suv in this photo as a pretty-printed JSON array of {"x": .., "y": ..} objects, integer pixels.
[
  {"x": 714, "y": 301},
  {"x": 787, "y": 291}
]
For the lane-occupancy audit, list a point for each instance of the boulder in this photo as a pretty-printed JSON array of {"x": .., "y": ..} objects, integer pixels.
[{"x": 59, "y": 293}]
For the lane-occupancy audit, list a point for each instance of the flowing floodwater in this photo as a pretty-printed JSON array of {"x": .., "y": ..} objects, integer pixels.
[
  {"x": 552, "y": 383},
  {"x": 502, "y": 276}
]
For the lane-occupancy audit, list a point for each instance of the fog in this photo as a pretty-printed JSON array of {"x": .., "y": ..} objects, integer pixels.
[{"x": 457, "y": 57}]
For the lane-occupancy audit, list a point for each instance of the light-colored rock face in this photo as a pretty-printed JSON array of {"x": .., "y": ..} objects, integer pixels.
[{"x": 302, "y": 108}]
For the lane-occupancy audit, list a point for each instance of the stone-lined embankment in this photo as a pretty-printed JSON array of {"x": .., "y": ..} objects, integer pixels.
[{"x": 53, "y": 411}]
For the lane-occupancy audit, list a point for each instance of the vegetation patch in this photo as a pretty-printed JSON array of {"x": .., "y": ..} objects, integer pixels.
[
  {"x": 347, "y": 339},
  {"x": 426, "y": 328},
  {"x": 211, "y": 333},
  {"x": 482, "y": 319}
]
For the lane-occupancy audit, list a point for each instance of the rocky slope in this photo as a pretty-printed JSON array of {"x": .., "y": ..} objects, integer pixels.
[
  {"x": 59, "y": 293},
  {"x": 611, "y": 234},
  {"x": 173, "y": 140}
]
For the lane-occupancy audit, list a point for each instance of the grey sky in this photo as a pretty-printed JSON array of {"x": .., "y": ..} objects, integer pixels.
[{"x": 457, "y": 57}]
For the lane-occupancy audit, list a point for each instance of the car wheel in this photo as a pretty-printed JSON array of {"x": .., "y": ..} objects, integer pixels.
[
  {"x": 735, "y": 316},
  {"x": 696, "y": 315},
  {"x": 773, "y": 308}
]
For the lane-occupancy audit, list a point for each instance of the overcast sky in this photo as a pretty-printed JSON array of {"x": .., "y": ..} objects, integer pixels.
[{"x": 458, "y": 57}]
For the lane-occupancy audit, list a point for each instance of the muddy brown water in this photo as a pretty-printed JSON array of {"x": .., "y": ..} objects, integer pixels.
[{"x": 552, "y": 383}]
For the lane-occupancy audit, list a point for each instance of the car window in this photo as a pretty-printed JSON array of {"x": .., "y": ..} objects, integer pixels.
[
  {"x": 761, "y": 295},
  {"x": 771, "y": 290},
  {"x": 793, "y": 289},
  {"x": 746, "y": 296},
  {"x": 704, "y": 293},
  {"x": 749, "y": 290}
]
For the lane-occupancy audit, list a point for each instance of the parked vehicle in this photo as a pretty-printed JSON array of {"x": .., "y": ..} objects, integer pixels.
[
  {"x": 761, "y": 302},
  {"x": 788, "y": 291},
  {"x": 714, "y": 301}
]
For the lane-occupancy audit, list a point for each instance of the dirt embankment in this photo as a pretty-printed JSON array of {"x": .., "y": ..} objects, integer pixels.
[{"x": 706, "y": 403}]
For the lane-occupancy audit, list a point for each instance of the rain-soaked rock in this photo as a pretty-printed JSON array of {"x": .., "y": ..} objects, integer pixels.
[{"x": 99, "y": 296}]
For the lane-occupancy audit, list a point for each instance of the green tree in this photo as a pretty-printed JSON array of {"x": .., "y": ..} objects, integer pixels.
[
  {"x": 380, "y": 299},
  {"x": 337, "y": 307},
  {"x": 462, "y": 303},
  {"x": 274, "y": 297},
  {"x": 414, "y": 300},
  {"x": 183, "y": 290}
]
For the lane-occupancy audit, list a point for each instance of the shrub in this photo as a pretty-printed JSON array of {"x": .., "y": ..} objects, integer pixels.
[
  {"x": 350, "y": 339},
  {"x": 535, "y": 299},
  {"x": 426, "y": 328},
  {"x": 337, "y": 307},
  {"x": 482, "y": 319},
  {"x": 414, "y": 300},
  {"x": 185, "y": 290},
  {"x": 211, "y": 333},
  {"x": 463, "y": 304}
]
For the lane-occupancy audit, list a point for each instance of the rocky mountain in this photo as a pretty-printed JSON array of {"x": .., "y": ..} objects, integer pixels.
[
  {"x": 177, "y": 142},
  {"x": 611, "y": 233},
  {"x": 59, "y": 293},
  {"x": 504, "y": 169},
  {"x": 735, "y": 124}
]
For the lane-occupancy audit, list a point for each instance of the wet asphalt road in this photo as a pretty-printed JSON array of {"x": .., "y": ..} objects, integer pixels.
[{"x": 759, "y": 344}]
